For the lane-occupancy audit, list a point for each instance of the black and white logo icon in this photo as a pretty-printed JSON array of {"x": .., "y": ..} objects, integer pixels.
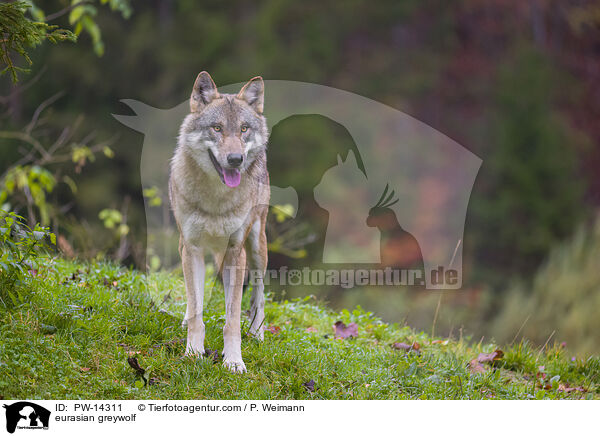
[{"x": 26, "y": 415}]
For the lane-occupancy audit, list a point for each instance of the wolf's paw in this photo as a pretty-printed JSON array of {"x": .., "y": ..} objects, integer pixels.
[
  {"x": 234, "y": 365},
  {"x": 194, "y": 351}
]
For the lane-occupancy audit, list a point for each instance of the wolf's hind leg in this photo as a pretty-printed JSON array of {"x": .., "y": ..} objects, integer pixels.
[
  {"x": 257, "y": 262},
  {"x": 192, "y": 260}
]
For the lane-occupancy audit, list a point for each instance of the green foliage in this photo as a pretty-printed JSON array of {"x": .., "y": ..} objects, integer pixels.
[
  {"x": 282, "y": 212},
  {"x": 81, "y": 154},
  {"x": 285, "y": 236},
  {"x": 82, "y": 18},
  {"x": 33, "y": 182},
  {"x": 91, "y": 317},
  {"x": 19, "y": 250},
  {"x": 27, "y": 186},
  {"x": 153, "y": 196},
  {"x": 113, "y": 220},
  {"x": 562, "y": 300},
  {"x": 19, "y": 34}
]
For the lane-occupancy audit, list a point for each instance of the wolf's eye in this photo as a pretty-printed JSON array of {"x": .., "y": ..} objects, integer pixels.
[
  {"x": 244, "y": 128},
  {"x": 217, "y": 128}
]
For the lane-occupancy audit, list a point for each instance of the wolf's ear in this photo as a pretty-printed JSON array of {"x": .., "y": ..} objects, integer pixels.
[
  {"x": 204, "y": 92},
  {"x": 253, "y": 93}
]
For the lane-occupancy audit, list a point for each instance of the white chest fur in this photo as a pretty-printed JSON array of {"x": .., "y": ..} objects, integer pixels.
[{"x": 210, "y": 213}]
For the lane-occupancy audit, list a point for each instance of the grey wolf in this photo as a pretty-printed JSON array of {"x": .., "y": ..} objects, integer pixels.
[{"x": 219, "y": 193}]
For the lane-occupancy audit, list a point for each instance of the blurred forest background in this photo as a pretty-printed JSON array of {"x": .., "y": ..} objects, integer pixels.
[{"x": 515, "y": 82}]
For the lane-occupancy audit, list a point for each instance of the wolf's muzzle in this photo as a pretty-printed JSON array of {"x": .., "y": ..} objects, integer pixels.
[
  {"x": 230, "y": 176},
  {"x": 235, "y": 159}
]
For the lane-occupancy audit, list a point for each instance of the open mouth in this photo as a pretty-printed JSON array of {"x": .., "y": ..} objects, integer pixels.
[{"x": 230, "y": 176}]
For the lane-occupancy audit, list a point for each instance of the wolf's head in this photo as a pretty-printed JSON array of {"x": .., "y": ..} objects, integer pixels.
[{"x": 225, "y": 133}]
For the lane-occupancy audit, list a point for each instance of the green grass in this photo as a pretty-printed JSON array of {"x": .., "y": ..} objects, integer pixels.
[{"x": 71, "y": 333}]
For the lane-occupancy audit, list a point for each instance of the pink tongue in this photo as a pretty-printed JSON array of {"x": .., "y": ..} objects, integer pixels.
[{"x": 232, "y": 177}]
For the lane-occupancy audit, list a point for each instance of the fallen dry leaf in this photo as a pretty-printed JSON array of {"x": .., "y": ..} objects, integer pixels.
[
  {"x": 490, "y": 357},
  {"x": 108, "y": 283},
  {"x": 476, "y": 366},
  {"x": 439, "y": 341},
  {"x": 406, "y": 347},
  {"x": 84, "y": 369},
  {"x": 133, "y": 362},
  {"x": 565, "y": 388},
  {"x": 344, "y": 331},
  {"x": 274, "y": 329},
  {"x": 568, "y": 389},
  {"x": 309, "y": 385}
]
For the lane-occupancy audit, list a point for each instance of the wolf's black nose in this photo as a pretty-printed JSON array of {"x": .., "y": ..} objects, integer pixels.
[{"x": 235, "y": 159}]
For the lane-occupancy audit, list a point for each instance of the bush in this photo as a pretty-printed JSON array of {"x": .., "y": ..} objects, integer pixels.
[{"x": 20, "y": 247}]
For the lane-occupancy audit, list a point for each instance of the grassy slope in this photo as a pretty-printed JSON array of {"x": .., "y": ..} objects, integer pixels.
[{"x": 79, "y": 323}]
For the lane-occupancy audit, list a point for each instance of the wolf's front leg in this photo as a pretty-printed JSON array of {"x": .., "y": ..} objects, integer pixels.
[
  {"x": 256, "y": 247},
  {"x": 192, "y": 259},
  {"x": 234, "y": 264}
]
